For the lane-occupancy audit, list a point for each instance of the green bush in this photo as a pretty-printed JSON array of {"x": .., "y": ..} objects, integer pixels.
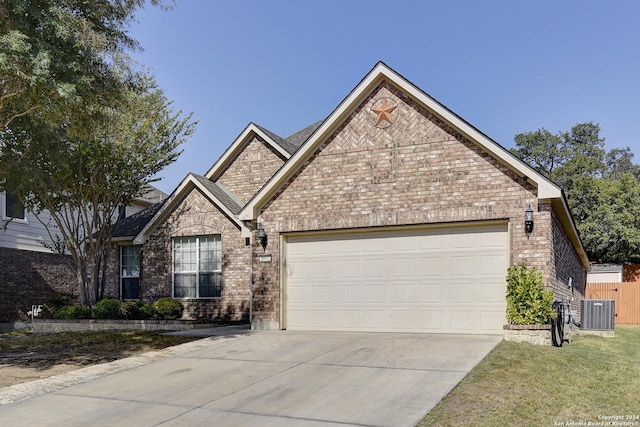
[
  {"x": 137, "y": 310},
  {"x": 57, "y": 301},
  {"x": 147, "y": 312},
  {"x": 108, "y": 309},
  {"x": 72, "y": 312},
  {"x": 168, "y": 308},
  {"x": 528, "y": 303}
]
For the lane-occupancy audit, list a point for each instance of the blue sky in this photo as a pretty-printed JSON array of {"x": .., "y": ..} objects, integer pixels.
[{"x": 504, "y": 66}]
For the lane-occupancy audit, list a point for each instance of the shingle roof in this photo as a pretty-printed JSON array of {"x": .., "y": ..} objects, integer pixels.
[
  {"x": 298, "y": 138},
  {"x": 220, "y": 193},
  {"x": 132, "y": 225},
  {"x": 292, "y": 142},
  {"x": 277, "y": 139}
]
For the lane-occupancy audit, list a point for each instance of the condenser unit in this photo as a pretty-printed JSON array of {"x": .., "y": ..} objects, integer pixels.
[{"x": 598, "y": 314}]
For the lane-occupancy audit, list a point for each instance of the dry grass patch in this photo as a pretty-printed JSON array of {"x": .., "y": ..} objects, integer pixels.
[
  {"x": 523, "y": 384},
  {"x": 42, "y": 351}
]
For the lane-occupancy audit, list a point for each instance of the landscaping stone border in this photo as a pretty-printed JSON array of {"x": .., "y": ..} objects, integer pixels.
[
  {"x": 81, "y": 325},
  {"x": 532, "y": 334}
]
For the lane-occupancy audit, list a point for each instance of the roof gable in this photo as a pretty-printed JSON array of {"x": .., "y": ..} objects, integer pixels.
[
  {"x": 216, "y": 194},
  {"x": 546, "y": 190},
  {"x": 381, "y": 72},
  {"x": 241, "y": 142}
]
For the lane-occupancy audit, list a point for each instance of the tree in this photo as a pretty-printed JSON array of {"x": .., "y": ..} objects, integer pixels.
[
  {"x": 55, "y": 54},
  {"x": 82, "y": 131},
  {"x": 601, "y": 187},
  {"x": 90, "y": 166}
]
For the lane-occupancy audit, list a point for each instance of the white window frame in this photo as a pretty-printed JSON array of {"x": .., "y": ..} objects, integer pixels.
[
  {"x": 5, "y": 215},
  {"x": 197, "y": 272},
  {"x": 131, "y": 276}
]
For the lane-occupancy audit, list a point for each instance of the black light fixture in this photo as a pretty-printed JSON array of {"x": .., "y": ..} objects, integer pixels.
[
  {"x": 528, "y": 220},
  {"x": 262, "y": 237}
]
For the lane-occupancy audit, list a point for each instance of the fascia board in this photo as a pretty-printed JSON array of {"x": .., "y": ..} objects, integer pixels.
[
  {"x": 178, "y": 196},
  {"x": 238, "y": 145}
]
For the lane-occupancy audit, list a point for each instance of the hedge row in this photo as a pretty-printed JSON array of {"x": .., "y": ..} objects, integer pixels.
[{"x": 163, "y": 309}]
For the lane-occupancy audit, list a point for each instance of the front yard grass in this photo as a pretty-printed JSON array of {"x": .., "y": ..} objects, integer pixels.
[
  {"x": 528, "y": 385},
  {"x": 42, "y": 351}
]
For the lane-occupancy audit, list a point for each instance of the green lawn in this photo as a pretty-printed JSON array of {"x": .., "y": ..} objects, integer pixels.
[{"x": 529, "y": 385}]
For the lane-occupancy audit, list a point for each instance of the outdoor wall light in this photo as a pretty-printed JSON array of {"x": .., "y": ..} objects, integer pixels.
[
  {"x": 528, "y": 220},
  {"x": 262, "y": 237}
]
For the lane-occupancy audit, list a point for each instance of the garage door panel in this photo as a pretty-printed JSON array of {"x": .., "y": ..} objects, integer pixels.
[
  {"x": 373, "y": 294},
  {"x": 491, "y": 264},
  {"x": 429, "y": 293},
  {"x": 463, "y": 320},
  {"x": 349, "y": 294},
  {"x": 373, "y": 267},
  {"x": 402, "y": 293},
  {"x": 373, "y": 320},
  {"x": 322, "y": 293},
  {"x": 430, "y": 266},
  {"x": 463, "y": 265},
  {"x": 431, "y": 243},
  {"x": 492, "y": 294},
  {"x": 402, "y": 266},
  {"x": 348, "y": 268},
  {"x": 444, "y": 280},
  {"x": 463, "y": 292}
]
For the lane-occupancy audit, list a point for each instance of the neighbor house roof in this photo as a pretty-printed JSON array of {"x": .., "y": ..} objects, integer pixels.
[
  {"x": 546, "y": 190},
  {"x": 132, "y": 225}
]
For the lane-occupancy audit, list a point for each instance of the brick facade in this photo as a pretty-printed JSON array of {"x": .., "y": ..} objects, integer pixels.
[
  {"x": 417, "y": 171},
  {"x": 197, "y": 216},
  {"x": 565, "y": 264},
  {"x": 251, "y": 169},
  {"x": 30, "y": 278}
]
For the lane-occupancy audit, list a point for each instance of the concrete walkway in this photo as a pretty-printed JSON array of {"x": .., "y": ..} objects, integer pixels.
[{"x": 239, "y": 377}]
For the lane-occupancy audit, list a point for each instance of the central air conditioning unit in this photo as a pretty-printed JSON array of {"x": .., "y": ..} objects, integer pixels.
[{"x": 598, "y": 314}]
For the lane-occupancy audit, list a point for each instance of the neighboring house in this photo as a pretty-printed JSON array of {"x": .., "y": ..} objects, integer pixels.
[
  {"x": 605, "y": 273},
  {"x": 30, "y": 272},
  {"x": 392, "y": 214}
]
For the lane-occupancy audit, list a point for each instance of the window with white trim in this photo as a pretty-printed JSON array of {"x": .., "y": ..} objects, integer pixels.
[
  {"x": 130, "y": 272},
  {"x": 13, "y": 207},
  {"x": 197, "y": 267}
]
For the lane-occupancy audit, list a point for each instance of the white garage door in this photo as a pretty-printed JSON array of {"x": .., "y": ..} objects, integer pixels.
[{"x": 448, "y": 280}]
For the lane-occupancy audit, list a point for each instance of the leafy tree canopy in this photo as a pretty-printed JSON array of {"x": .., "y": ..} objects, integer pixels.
[
  {"x": 83, "y": 131},
  {"x": 601, "y": 187}
]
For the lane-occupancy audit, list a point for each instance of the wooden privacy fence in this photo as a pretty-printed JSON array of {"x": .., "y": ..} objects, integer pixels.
[{"x": 626, "y": 296}]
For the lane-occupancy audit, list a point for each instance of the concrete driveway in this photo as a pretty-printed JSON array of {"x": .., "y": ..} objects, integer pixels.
[{"x": 278, "y": 378}]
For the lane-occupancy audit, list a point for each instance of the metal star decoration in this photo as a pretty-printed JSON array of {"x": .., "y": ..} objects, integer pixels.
[{"x": 384, "y": 112}]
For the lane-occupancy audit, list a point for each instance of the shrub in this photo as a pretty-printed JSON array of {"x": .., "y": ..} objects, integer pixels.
[
  {"x": 147, "y": 312},
  {"x": 527, "y": 302},
  {"x": 57, "y": 301},
  {"x": 168, "y": 308},
  {"x": 72, "y": 312},
  {"x": 137, "y": 310},
  {"x": 108, "y": 309},
  {"x": 131, "y": 310}
]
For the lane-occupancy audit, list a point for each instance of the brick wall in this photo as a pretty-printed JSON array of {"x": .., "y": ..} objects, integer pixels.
[
  {"x": 416, "y": 171},
  {"x": 28, "y": 278},
  {"x": 564, "y": 264},
  {"x": 197, "y": 216},
  {"x": 251, "y": 169}
]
